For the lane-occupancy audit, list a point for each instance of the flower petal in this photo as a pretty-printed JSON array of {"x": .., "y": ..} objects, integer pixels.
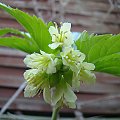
[
  {"x": 51, "y": 68},
  {"x": 53, "y": 30},
  {"x": 87, "y": 76},
  {"x": 69, "y": 39},
  {"x": 29, "y": 74},
  {"x": 65, "y": 27},
  {"x": 55, "y": 45},
  {"x": 32, "y": 60},
  {"x": 30, "y": 91},
  {"x": 88, "y": 66}
]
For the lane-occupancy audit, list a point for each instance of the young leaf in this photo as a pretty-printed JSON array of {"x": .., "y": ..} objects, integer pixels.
[
  {"x": 34, "y": 26},
  {"x": 101, "y": 50}
]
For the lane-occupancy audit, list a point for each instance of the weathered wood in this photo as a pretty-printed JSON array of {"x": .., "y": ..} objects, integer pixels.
[{"x": 24, "y": 104}]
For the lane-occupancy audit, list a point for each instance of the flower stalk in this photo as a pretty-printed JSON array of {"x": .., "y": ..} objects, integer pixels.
[{"x": 55, "y": 113}]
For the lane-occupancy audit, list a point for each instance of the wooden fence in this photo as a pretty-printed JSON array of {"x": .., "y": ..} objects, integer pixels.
[{"x": 98, "y": 16}]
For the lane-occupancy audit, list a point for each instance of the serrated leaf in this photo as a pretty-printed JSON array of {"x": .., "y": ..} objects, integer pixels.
[
  {"x": 5, "y": 31},
  {"x": 101, "y": 50},
  {"x": 35, "y": 26},
  {"x": 104, "y": 48},
  {"x": 109, "y": 64},
  {"x": 18, "y": 43},
  {"x": 85, "y": 42}
]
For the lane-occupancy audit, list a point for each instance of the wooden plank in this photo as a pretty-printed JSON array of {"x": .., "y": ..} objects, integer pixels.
[
  {"x": 105, "y": 107},
  {"x": 97, "y": 28},
  {"x": 4, "y": 51},
  {"x": 91, "y": 23},
  {"x": 83, "y": 20},
  {"x": 108, "y": 105},
  {"x": 74, "y": 6},
  {"x": 96, "y": 16},
  {"x": 11, "y": 62},
  {"x": 81, "y": 97},
  {"x": 5, "y": 23}
]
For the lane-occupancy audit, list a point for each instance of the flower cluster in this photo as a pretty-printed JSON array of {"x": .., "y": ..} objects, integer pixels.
[{"x": 58, "y": 75}]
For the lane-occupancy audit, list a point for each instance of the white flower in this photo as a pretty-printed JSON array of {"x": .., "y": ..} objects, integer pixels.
[
  {"x": 44, "y": 62},
  {"x": 62, "y": 37},
  {"x": 72, "y": 58}
]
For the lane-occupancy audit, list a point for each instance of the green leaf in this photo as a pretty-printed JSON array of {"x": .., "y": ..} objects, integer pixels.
[
  {"x": 18, "y": 43},
  {"x": 85, "y": 42},
  {"x": 101, "y": 50},
  {"x": 109, "y": 64},
  {"x": 22, "y": 35},
  {"x": 104, "y": 48},
  {"x": 5, "y": 31},
  {"x": 34, "y": 26}
]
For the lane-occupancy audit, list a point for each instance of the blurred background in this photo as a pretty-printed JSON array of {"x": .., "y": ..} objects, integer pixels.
[{"x": 98, "y": 101}]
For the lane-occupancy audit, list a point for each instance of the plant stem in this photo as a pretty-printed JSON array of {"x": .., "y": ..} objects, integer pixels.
[{"x": 55, "y": 113}]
